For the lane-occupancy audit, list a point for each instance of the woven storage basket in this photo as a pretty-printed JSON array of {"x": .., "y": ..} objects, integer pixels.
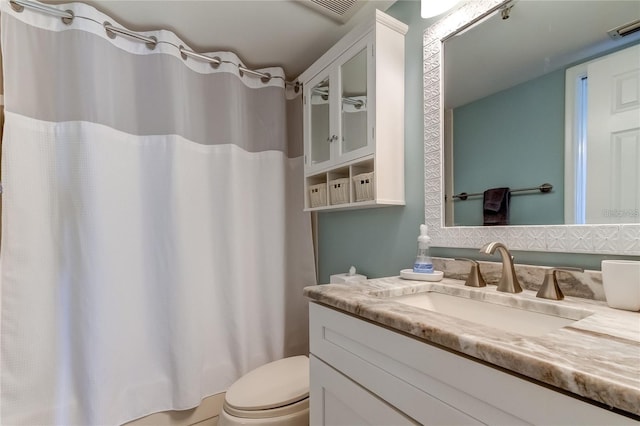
[
  {"x": 363, "y": 184},
  {"x": 318, "y": 195},
  {"x": 339, "y": 191}
]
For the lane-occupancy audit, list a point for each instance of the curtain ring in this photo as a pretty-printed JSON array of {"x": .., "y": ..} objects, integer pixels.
[
  {"x": 215, "y": 65},
  {"x": 68, "y": 21},
  {"x": 152, "y": 44},
  {"x": 505, "y": 13},
  {"x": 110, "y": 33},
  {"x": 15, "y": 6}
]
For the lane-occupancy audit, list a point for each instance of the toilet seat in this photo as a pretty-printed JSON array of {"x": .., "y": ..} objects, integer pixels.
[
  {"x": 279, "y": 388},
  {"x": 296, "y": 407}
]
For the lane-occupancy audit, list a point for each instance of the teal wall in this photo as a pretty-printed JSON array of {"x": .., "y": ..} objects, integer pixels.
[
  {"x": 382, "y": 241},
  {"x": 524, "y": 123}
]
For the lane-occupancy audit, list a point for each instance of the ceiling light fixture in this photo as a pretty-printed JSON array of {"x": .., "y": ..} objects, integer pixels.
[{"x": 431, "y": 8}]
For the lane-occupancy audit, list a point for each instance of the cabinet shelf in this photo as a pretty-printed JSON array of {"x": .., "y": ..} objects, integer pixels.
[{"x": 357, "y": 181}]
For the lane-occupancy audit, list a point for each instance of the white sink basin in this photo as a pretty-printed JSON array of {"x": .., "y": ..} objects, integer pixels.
[{"x": 507, "y": 318}]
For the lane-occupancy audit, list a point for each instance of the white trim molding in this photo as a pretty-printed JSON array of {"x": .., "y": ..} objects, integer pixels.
[{"x": 600, "y": 239}]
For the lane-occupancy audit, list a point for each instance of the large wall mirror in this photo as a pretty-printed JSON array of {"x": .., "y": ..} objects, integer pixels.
[{"x": 495, "y": 94}]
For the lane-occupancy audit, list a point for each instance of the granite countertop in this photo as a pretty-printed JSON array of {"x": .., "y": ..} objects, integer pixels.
[{"x": 596, "y": 357}]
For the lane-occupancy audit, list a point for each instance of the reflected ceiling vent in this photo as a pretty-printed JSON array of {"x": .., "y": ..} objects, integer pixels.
[
  {"x": 338, "y": 10},
  {"x": 625, "y": 30}
]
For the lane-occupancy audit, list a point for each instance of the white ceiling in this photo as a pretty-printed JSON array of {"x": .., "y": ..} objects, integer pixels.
[
  {"x": 537, "y": 38},
  {"x": 261, "y": 32}
]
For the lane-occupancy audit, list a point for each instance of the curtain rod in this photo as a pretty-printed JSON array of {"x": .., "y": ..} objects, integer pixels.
[{"x": 151, "y": 42}]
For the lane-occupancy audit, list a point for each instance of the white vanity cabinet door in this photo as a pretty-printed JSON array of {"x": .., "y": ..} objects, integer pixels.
[
  {"x": 336, "y": 401},
  {"x": 353, "y": 347},
  {"x": 433, "y": 386}
]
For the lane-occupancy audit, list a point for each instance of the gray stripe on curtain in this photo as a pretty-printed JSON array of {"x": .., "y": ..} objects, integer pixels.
[{"x": 53, "y": 85}]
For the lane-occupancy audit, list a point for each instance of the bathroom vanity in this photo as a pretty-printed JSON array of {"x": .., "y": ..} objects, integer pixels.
[{"x": 378, "y": 357}]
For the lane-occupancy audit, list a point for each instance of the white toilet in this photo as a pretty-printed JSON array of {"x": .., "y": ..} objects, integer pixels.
[{"x": 273, "y": 394}]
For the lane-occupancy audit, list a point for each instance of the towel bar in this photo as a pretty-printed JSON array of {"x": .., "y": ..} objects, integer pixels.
[{"x": 545, "y": 187}]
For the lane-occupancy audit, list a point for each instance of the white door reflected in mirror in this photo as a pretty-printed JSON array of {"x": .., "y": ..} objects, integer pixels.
[{"x": 603, "y": 139}]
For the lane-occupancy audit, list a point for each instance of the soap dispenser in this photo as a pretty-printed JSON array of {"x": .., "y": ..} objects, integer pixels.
[{"x": 423, "y": 263}]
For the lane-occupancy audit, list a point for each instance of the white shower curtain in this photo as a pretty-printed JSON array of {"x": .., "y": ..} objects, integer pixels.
[{"x": 154, "y": 246}]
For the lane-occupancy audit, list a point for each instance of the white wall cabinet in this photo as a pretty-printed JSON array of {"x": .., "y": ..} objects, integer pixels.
[
  {"x": 364, "y": 374},
  {"x": 354, "y": 119}
]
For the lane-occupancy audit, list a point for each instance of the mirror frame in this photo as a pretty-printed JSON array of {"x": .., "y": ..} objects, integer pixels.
[{"x": 612, "y": 239}]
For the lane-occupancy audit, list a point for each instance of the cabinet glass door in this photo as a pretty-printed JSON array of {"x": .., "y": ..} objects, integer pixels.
[
  {"x": 320, "y": 130},
  {"x": 354, "y": 102}
]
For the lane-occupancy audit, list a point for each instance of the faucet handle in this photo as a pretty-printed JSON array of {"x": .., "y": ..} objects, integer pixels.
[
  {"x": 550, "y": 288},
  {"x": 475, "y": 276}
]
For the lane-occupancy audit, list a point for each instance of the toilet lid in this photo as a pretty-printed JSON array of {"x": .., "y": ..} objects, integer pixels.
[{"x": 272, "y": 385}]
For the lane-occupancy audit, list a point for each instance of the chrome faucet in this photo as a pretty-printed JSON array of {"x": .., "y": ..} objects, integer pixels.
[{"x": 508, "y": 281}]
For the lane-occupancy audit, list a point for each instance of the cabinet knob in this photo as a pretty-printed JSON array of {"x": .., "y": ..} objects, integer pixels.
[{"x": 332, "y": 138}]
